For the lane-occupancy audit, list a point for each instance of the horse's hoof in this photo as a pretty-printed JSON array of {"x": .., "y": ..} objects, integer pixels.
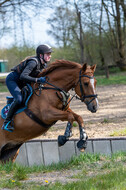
[
  {"x": 62, "y": 140},
  {"x": 82, "y": 145}
]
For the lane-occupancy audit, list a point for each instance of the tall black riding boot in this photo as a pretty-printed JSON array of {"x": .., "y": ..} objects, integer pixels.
[{"x": 7, "y": 123}]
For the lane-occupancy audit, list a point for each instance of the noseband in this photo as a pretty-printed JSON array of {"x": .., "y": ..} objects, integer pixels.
[{"x": 83, "y": 96}]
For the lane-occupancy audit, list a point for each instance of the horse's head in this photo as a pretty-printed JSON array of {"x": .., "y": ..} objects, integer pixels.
[{"x": 85, "y": 87}]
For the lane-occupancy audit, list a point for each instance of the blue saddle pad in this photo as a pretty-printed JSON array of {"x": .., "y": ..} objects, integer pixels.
[{"x": 5, "y": 109}]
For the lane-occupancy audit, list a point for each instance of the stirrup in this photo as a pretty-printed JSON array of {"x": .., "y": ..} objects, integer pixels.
[{"x": 8, "y": 127}]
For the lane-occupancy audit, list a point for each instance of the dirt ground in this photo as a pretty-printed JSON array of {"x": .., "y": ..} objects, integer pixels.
[{"x": 110, "y": 117}]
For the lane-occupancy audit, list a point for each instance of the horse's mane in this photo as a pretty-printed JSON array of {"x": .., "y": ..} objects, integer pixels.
[{"x": 58, "y": 64}]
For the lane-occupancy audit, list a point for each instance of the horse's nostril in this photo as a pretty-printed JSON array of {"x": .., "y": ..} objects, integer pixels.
[{"x": 94, "y": 107}]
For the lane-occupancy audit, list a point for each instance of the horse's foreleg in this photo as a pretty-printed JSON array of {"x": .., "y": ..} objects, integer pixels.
[
  {"x": 68, "y": 131},
  {"x": 69, "y": 116},
  {"x": 62, "y": 139},
  {"x": 82, "y": 143}
]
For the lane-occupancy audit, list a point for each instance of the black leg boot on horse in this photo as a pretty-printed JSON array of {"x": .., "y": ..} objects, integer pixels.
[
  {"x": 62, "y": 139},
  {"x": 82, "y": 143},
  {"x": 8, "y": 125}
]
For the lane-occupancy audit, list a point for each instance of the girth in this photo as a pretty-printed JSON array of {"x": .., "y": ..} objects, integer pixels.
[{"x": 30, "y": 114}]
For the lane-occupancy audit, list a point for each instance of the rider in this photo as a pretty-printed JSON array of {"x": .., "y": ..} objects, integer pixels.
[{"x": 26, "y": 72}]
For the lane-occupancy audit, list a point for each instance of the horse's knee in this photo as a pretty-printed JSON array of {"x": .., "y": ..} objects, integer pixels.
[
  {"x": 80, "y": 120},
  {"x": 71, "y": 117}
]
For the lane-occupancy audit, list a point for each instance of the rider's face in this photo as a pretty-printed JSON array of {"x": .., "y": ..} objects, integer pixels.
[{"x": 47, "y": 56}]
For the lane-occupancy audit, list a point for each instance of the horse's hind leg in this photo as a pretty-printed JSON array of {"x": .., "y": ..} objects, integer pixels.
[
  {"x": 62, "y": 139},
  {"x": 9, "y": 153}
]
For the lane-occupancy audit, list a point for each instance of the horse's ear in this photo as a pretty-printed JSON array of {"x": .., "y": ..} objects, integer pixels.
[
  {"x": 84, "y": 67},
  {"x": 93, "y": 67}
]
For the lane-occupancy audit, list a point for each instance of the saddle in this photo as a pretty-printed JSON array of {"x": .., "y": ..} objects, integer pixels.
[{"x": 27, "y": 92}]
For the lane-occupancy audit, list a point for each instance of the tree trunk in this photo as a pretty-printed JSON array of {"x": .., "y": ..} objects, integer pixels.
[
  {"x": 121, "y": 62},
  {"x": 117, "y": 31},
  {"x": 81, "y": 33},
  {"x": 101, "y": 45}
]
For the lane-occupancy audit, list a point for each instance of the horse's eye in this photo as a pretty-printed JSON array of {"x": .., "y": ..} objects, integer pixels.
[{"x": 86, "y": 84}]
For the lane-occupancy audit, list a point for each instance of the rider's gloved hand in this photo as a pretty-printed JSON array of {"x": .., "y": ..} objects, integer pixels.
[{"x": 41, "y": 80}]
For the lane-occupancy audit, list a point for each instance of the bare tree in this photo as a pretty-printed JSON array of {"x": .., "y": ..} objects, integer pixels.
[
  {"x": 61, "y": 23},
  {"x": 81, "y": 36},
  {"x": 101, "y": 44},
  {"x": 18, "y": 12},
  {"x": 116, "y": 14}
]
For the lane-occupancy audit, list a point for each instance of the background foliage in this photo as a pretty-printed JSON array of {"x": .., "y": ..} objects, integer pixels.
[{"x": 84, "y": 31}]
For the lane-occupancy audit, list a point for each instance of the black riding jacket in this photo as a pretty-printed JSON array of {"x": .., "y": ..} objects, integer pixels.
[{"x": 29, "y": 69}]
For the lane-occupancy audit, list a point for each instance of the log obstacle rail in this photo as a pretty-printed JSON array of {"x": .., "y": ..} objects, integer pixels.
[{"x": 46, "y": 152}]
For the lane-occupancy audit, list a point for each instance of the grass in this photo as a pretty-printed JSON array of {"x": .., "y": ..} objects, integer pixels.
[
  {"x": 3, "y": 88},
  {"x": 96, "y": 172},
  {"x": 112, "y": 180},
  {"x": 75, "y": 124},
  {"x": 20, "y": 173},
  {"x": 106, "y": 120},
  {"x": 121, "y": 132},
  {"x": 117, "y": 78}
]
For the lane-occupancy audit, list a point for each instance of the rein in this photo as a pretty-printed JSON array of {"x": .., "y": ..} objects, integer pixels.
[
  {"x": 41, "y": 87},
  {"x": 64, "y": 94}
]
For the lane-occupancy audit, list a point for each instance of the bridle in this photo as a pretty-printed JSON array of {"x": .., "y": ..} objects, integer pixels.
[{"x": 83, "y": 96}]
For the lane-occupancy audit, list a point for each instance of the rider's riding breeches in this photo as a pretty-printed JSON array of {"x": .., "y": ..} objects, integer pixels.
[{"x": 13, "y": 82}]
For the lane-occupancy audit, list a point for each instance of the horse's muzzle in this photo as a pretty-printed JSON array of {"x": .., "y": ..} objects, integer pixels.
[{"x": 93, "y": 106}]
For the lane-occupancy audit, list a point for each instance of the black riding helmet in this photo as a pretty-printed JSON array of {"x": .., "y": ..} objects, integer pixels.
[{"x": 42, "y": 49}]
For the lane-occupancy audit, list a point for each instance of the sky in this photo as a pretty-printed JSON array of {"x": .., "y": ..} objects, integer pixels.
[{"x": 35, "y": 36}]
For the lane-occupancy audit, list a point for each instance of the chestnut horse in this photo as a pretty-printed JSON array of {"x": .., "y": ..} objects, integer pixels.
[{"x": 50, "y": 103}]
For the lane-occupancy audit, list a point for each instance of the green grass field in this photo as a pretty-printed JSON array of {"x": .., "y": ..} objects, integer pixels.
[
  {"x": 118, "y": 78},
  {"x": 3, "y": 88},
  {"x": 96, "y": 172}
]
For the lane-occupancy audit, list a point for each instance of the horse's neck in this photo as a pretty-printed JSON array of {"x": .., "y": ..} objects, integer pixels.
[{"x": 65, "y": 79}]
